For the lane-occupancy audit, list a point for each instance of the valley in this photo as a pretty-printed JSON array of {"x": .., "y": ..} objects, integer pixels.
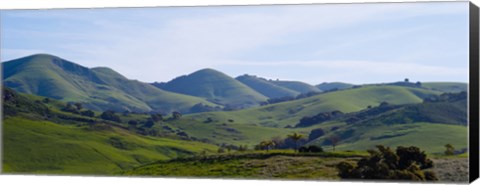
[{"x": 63, "y": 118}]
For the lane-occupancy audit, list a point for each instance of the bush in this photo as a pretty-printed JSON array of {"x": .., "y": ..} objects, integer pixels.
[
  {"x": 407, "y": 163},
  {"x": 110, "y": 115},
  {"x": 88, "y": 113},
  {"x": 310, "y": 149}
]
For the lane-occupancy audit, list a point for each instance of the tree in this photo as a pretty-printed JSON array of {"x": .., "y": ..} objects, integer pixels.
[
  {"x": 133, "y": 123},
  {"x": 88, "y": 113},
  {"x": 176, "y": 115},
  {"x": 334, "y": 141},
  {"x": 156, "y": 117},
  {"x": 78, "y": 106},
  {"x": 406, "y": 80},
  {"x": 312, "y": 148},
  {"x": 316, "y": 133},
  {"x": 46, "y": 100},
  {"x": 110, "y": 115},
  {"x": 295, "y": 137},
  {"x": 450, "y": 150},
  {"x": 267, "y": 144},
  {"x": 407, "y": 163}
]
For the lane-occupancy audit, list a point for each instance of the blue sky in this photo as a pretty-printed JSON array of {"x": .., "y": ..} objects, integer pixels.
[{"x": 356, "y": 43}]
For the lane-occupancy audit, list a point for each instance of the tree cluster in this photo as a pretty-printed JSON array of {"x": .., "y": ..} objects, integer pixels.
[
  {"x": 289, "y": 98},
  {"x": 406, "y": 163},
  {"x": 110, "y": 115},
  {"x": 319, "y": 118}
]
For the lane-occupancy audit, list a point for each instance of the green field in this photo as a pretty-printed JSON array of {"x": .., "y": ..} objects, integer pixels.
[
  {"x": 351, "y": 100},
  {"x": 34, "y": 146},
  {"x": 273, "y": 165},
  {"x": 44, "y": 136}
]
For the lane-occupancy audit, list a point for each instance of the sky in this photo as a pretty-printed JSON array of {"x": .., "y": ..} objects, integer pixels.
[{"x": 354, "y": 43}]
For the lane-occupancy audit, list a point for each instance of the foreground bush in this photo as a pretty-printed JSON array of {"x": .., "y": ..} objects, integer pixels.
[{"x": 407, "y": 163}]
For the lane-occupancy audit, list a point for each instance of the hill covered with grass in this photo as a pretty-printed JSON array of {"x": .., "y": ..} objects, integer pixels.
[
  {"x": 97, "y": 88},
  {"x": 266, "y": 87},
  {"x": 349, "y": 100},
  {"x": 38, "y": 138},
  {"x": 452, "y": 87},
  {"x": 300, "y": 87},
  {"x": 328, "y": 86},
  {"x": 216, "y": 87}
]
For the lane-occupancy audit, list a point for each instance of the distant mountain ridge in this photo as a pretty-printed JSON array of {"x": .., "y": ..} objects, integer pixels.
[
  {"x": 333, "y": 86},
  {"x": 97, "y": 88},
  {"x": 266, "y": 87},
  {"x": 216, "y": 87}
]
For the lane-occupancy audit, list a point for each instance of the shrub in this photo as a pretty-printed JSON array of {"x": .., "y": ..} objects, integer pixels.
[
  {"x": 407, "y": 163},
  {"x": 110, "y": 115},
  {"x": 450, "y": 150},
  {"x": 310, "y": 149}
]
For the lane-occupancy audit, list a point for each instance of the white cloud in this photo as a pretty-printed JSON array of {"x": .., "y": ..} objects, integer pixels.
[{"x": 151, "y": 48}]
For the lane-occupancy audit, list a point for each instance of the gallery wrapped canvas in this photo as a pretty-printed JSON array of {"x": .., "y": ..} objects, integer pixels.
[{"x": 382, "y": 92}]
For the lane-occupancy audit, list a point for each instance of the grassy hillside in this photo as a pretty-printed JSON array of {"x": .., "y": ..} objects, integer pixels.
[
  {"x": 276, "y": 165},
  {"x": 350, "y": 100},
  {"x": 328, "y": 86},
  {"x": 40, "y": 138},
  {"x": 265, "y": 87},
  {"x": 215, "y": 87},
  {"x": 99, "y": 88},
  {"x": 431, "y": 137},
  {"x": 33, "y": 146},
  {"x": 299, "y": 87},
  {"x": 452, "y": 87}
]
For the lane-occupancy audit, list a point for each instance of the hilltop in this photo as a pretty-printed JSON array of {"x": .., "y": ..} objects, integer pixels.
[
  {"x": 216, "y": 87},
  {"x": 97, "y": 88}
]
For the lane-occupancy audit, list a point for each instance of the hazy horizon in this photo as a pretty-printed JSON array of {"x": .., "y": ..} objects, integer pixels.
[{"x": 352, "y": 43}]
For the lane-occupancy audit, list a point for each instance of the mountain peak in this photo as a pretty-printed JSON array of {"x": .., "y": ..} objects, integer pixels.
[{"x": 207, "y": 71}]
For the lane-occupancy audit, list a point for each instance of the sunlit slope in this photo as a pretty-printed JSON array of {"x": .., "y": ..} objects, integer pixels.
[
  {"x": 446, "y": 86},
  {"x": 300, "y": 87},
  {"x": 45, "y": 147},
  {"x": 215, "y": 87},
  {"x": 266, "y": 87},
  {"x": 333, "y": 85},
  {"x": 350, "y": 100}
]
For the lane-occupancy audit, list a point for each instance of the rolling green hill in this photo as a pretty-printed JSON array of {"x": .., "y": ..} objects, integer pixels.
[
  {"x": 215, "y": 87},
  {"x": 38, "y": 138},
  {"x": 97, "y": 88},
  {"x": 297, "y": 86},
  {"x": 349, "y": 100},
  {"x": 328, "y": 86},
  {"x": 267, "y": 88},
  {"x": 34, "y": 146},
  {"x": 452, "y": 87}
]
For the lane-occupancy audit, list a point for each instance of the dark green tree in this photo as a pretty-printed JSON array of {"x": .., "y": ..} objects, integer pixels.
[
  {"x": 88, "y": 113},
  {"x": 110, "y": 115},
  {"x": 450, "y": 150},
  {"x": 295, "y": 137},
  {"x": 406, "y": 163},
  {"x": 176, "y": 115}
]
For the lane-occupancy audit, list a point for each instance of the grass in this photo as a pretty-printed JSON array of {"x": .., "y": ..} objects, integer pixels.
[
  {"x": 451, "y": 87},
  {"x": 430, "y": 137},
  {"x": 267, "y": 88},
  {"x": 254, "y": 164},
  {"x": 216, "y": 87},
  {"x": 34, "y": 146},
  {"x": 289, "y": 113}
]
